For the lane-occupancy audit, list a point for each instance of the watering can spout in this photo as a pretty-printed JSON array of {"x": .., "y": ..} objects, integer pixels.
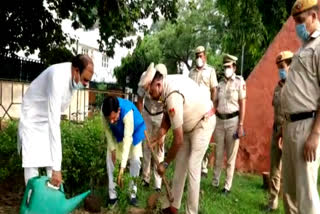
[{"x": 72, "y": 203}]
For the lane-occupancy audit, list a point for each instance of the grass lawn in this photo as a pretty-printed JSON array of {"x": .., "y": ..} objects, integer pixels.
[{"x": 247, "y": 196}]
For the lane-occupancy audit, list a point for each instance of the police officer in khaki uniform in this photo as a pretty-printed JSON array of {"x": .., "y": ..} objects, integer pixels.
[
  {"x": 152, "y": 112},
  {"x": 206, "y": 77},
  {"x": 300, "y": 100},
  {"x": 230, "y": 104},
  {"x": 283, "y": 61},
  {"x": 190, "y": 114}
]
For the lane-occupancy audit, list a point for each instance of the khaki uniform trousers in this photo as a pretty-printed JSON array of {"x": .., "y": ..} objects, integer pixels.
[
  {"x": 275, "y": 169},
  {"x": 153, "y": 124},
  {"x": 188, "y": 163},
  {"x": 299, "y": 177},
  {"x": 223, "y": 135}
]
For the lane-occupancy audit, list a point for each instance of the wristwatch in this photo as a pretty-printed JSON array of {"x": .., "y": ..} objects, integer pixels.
[{"x": 165, "y": 164}]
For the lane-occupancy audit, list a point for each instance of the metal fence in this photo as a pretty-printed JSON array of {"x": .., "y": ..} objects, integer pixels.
[
  {"x": 85, "y": 103},
  {"x": 20, "y": 69}
]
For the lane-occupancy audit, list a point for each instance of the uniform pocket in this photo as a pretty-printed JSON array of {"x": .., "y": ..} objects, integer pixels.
[
  {"x": 232, "y": 93},
  {"x": 305, "y": 59}
]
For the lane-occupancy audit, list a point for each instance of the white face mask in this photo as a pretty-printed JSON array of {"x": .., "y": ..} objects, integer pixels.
[
  {"x": 77, "y": 86},
  {"x": 199, "y": 62},
  {"x": 228, "y": 72}
]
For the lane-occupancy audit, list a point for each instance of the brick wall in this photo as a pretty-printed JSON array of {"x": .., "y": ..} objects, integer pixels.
[{"x": 254, "y": 149}]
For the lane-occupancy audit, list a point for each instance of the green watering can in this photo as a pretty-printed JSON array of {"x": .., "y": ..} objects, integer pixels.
[{"x": 41, "y": 197}]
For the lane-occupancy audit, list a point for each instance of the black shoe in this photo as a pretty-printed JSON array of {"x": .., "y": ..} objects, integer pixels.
[
  {"x": 269, "y": 209},
  {"x": 204, "y": 175},
  {"x": 225, "y": 191},
  {"x": 133, "y": 202},
  {"x": 158, "y": 190},
  {"x": 145, "y": 184},
  {"x": 111, "y": 202}
]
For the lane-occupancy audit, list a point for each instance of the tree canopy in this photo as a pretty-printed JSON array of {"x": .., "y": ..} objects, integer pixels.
[
  {"x": 32, "y": 25},
  {"x": 249, "y": 26}
]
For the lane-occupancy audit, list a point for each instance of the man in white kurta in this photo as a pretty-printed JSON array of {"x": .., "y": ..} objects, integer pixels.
[{"x": 39, "y": 129}]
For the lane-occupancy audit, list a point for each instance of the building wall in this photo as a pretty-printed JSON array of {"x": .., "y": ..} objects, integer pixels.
[
  {"x": 102, "y": 69},
  {"x": 254, "y": 152},
  {"x": 11, "y": 94}
]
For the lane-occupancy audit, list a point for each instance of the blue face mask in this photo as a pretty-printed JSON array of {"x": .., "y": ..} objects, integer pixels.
[
  {"x": 282, "y": 74},
  {"x": 77, "y": 86},
  {"x": 302, "y": 32}
]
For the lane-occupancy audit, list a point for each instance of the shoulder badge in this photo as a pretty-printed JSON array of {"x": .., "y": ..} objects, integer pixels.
[{"x": 172, "y": 112}]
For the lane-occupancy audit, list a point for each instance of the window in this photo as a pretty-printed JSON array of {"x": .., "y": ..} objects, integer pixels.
[
  {"x": 104, "y": 61},
  {"x": 84, "y": 51}
]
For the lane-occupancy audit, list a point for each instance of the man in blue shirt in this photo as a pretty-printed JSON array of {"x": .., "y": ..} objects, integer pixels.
[{"x": 124, "y": 129}]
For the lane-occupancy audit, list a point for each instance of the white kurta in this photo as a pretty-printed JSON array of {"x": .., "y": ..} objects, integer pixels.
[{"x": 39, "y": 129}]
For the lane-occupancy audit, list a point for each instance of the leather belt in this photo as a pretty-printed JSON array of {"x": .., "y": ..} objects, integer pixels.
[
  {"x": 300, "y": 116},
  {"x": 210, "y": 113},
  {"x": 227, "y": 116},
  {"x": 152, "y": 114}
]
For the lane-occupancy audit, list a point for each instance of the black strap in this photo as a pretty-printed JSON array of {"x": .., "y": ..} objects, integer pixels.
[
  {"x": 175, "y": 91},
  {"x": 227, "y": 116},
  {"x": 152, "y": 114},
  {"x": 300, "y": 116}
]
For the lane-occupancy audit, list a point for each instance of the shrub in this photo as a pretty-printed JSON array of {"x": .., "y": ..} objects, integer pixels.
[
  {"x": 83, "y": 147},
  {"x": 84, "y": 159},
  {"x": 10, "y": 161}
]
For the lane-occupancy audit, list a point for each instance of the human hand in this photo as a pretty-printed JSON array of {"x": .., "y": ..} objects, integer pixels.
[
  {"x": 161, "y": 169},
  {"x": 56, "y": 178},
  {"x": 120, "y": 179},
  {"x": 280, "y": 143},
  {"x": 240, "y": 131},
  {"x": 310, "y": 147},
  {"x": 157, "y": 142}
]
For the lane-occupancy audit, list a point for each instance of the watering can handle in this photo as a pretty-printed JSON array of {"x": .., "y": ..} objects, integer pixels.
[{"x": 55, "y": 187}]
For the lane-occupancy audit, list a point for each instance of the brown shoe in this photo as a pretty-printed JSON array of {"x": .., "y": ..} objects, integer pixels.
[{"x": 170, "y": 210}]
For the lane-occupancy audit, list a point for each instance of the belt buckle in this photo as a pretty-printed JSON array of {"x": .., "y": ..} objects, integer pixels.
[{"x": 287, "y": 117}]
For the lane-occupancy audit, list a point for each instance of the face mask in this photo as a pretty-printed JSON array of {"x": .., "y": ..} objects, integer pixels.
[
  {"x": 199, "y": 62},
  {"x": 77, "y": 86},
  {"x": 228, "y": 72},
  {"x": 282, "y": 74},
  {"x": 302, "y": 32}
]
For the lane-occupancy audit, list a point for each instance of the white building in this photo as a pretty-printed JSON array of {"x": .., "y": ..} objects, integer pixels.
[{"x": 102, "y": 68}]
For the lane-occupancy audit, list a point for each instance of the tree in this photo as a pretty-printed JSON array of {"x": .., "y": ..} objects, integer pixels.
[
  {"x": 27, "y": 25},
  {"x": 30, "y": 25},
  {"x": 279, "y": 10},
  {"x": 56, "y": 55},
  {"x": 132, "y": 66},
  {"x": 249, "y": 27},
  {"x": 199, "y": 23},
  {"x": 173, "y": 43}
]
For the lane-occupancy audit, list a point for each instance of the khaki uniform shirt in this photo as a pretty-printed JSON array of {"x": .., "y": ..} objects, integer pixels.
[
  {"x": 185, "y": 102},
  {"x": 151, "y": 105},
  {"x": 276, "y": 103},
  {"x": 205, "y": 77},
  {"x": 229, "y": 93},
  {"x": 301, "y": 92}
]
